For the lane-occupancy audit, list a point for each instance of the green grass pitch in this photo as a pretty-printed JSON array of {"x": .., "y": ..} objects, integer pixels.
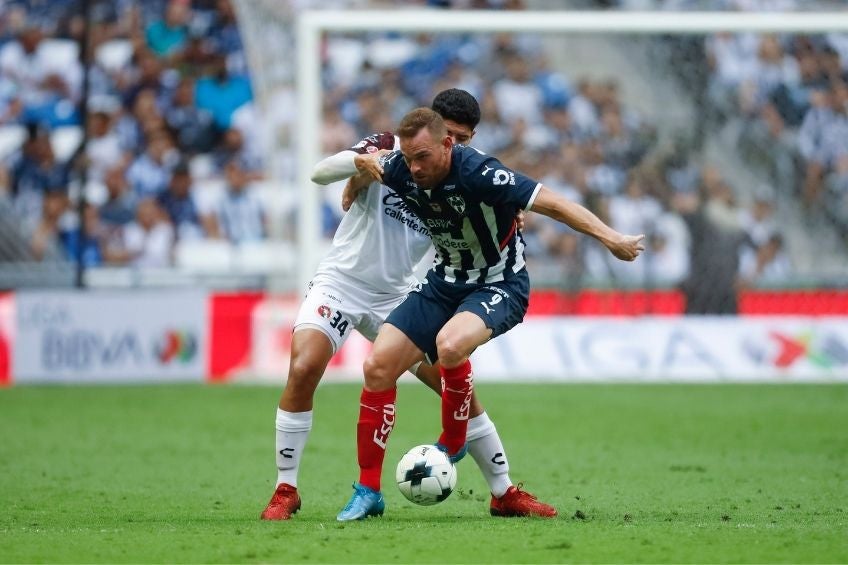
[{"x": 701, "y": 473}]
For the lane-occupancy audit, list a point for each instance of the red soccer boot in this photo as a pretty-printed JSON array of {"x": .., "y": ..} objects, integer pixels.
[
  {"x": 283, "y": 505},
  {"x": 517, "y": 502}
]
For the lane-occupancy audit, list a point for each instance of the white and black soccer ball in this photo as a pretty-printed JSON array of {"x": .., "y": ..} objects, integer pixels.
[{"x": 425, "y": 475}]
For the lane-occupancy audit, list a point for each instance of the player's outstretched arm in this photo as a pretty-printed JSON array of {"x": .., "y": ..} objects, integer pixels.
[
  {"x": 347, "y": 163},
  {"x": 335, "y": 167},
  {"x": 549, "y": 203}
]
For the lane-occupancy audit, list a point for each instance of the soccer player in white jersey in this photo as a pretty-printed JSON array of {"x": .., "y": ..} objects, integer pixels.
[
  {"x": 368, "y": 272},
  {"x": 477, "y": 289}
]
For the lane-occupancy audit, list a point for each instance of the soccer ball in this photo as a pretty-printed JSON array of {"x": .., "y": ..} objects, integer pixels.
[{"x": 425, "y": 475}]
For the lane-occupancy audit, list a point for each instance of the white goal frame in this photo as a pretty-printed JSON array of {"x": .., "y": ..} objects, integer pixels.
[{"x": 312, "y": 24}]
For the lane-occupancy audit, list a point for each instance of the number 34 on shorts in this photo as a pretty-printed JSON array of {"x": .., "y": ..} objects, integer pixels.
[{"x": 336, "y": 320}]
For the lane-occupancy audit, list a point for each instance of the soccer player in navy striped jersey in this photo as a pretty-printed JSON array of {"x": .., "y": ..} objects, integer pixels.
[
  {"x": 478, "y": 288},
  {"x": 367, "y": 272}
]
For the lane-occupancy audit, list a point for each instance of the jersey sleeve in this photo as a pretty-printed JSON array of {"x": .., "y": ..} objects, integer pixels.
[
  {"x": 393, "y": 169},
  {"x": 334, "y": 168},
  {"x": 342, "y": 165},
  {"x": 375, "y": 142},
  {"x": 494, "y": 183}
]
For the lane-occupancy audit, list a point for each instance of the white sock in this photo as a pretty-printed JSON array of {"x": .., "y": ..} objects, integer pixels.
[
  {"x": 486, "y": 448},
  {"x": 292, "y": 431}
]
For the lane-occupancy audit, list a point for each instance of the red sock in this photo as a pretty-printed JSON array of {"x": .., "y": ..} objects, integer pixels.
[
  {"x": 376, "y": 420},
  {"x": 457, "y": 384}
]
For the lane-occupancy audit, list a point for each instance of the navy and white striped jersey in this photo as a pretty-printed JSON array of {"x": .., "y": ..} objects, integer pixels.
[{"x": 470, "y": 215}]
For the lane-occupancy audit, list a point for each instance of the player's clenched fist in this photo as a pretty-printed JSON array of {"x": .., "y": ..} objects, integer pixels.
[{"x": 627, "y": 247}]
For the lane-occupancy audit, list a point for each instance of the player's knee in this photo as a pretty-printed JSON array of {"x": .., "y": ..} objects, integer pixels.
[
  {"x": 378, "y": 375},
  {"x": 451, "y": 351},
  {"x": 304, "y": 374}
]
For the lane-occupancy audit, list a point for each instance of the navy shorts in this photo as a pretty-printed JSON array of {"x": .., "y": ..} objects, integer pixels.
[{"x": 501, "y": 305}]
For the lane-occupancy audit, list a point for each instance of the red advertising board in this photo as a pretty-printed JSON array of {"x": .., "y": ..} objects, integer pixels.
[{"x": 7, "y": 336}]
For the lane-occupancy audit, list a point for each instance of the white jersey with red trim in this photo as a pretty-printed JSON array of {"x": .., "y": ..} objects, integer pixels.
[{"x": 379, "y": 241}]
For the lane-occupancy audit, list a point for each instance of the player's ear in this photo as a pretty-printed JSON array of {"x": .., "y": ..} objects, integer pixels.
[{"x": 447, "y": 142}]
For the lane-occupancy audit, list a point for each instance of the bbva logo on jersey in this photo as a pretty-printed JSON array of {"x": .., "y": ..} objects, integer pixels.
[{"x": 457, "y": 203}]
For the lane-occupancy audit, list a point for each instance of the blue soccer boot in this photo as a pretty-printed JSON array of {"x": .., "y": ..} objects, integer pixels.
[
  {"x": 365, "y": 502},
  {"x": 456, "y": 457}
]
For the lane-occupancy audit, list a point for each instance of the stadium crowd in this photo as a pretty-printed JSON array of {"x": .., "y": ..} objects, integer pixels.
[
  {"x": 790, "y": 93},
  {"x": 168, "y": 103},
  {"x": 578, "y": 137},
  {"x": 170, "y": 107}
]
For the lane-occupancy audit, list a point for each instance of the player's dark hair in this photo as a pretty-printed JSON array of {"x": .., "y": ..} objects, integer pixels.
[
  {"x": 458, "y": 106},
  {"x": 421, "y": 118}
]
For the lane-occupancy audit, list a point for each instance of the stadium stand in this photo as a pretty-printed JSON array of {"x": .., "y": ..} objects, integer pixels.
[{"x": 710, "y": 158}]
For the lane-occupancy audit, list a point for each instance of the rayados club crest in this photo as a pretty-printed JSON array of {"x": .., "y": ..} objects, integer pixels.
[{"x": 457, "y": 203}]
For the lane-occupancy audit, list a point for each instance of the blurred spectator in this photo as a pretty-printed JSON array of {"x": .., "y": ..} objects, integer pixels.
[
  {"x": 720, "y": 201},
  {"x": 145, "y": 242},
  {"x": 232, "y": 147},
  {"x": 241, "y": 214},
  {"x": 148, "y": 76},
  {"x": 119, "y": 207},
  {"x": 103, "y": 148},
  {"x": 132, "y": 126},
  {"x": 91, "y": 237},
  {"x": 47, "y": 81},
  {"x": 493, "y": 135},
  {"x": 836, "y": 197},
  {"x": 619, "y": 142},
  {"x": 791, "y": 100},
  {"x": 192, "y": 127},
  {"x": 34, "y": 173},
  {"x": 224, "y": 35},
  {"x": 222, "y": 93},
  {"x": 517, "y": 96},
  {"x": 198, "y": 53},
  {"x": 666, "y": 258},
  {"x": 823, "y": 138},
  {"x": 598, "y": 266},
  {"x": 178, "y": 203},
  {"x": 168, "y": 35},
  {"x": 583, "y": 113},
  {"x": 431, "y": 60},
  {"x": 633, "y": 212},
  {"x": 148, "y": 175},
  {"x": 771, "y": 69},
  {"x": 766, "y": 264},
  {"x": 830, "y": 61},
  {"x": 553, "y": 252},
  {"x": 733, "y": 61},
  {"x": 716, "y": 241},
  {"x": 45, "y": 242},
  {"x": 758, "y": 220}
]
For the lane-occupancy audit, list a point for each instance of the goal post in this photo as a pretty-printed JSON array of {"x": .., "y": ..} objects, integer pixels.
[{"x": 311, "y": 25}]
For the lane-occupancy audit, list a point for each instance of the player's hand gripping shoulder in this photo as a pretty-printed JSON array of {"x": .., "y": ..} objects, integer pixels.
[{"x": 368, "y": 165}]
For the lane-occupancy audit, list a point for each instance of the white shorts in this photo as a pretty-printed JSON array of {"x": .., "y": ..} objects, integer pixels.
[{"x": 337, "y": 307}]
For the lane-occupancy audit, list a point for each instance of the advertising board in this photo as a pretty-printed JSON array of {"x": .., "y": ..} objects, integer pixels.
[{"x": 110, "y": 336}]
